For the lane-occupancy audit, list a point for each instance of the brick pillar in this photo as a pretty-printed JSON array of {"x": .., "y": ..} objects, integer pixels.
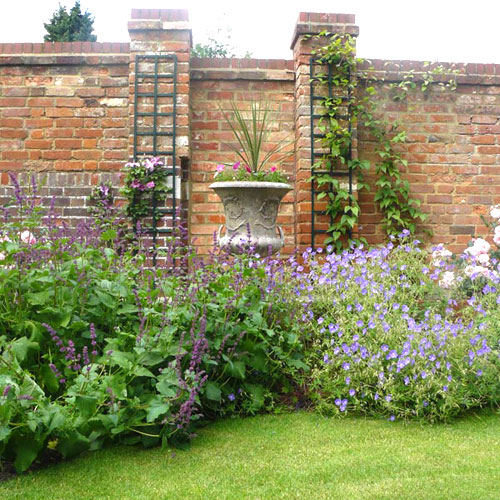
[
  {"x": 309, "y": 24},
  {"x": 161, "y": 32}
]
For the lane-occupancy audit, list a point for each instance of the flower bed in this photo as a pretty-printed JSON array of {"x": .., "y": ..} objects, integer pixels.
[
  {"x": 388, "y": 340},
  {"x": 97, "y": 348}
]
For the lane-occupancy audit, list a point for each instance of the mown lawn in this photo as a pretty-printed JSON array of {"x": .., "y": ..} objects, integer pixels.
[{"x": 289, "y": 456}]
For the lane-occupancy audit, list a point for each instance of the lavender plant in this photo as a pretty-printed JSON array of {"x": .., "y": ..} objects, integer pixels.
[{"x": 97, "y": 348}]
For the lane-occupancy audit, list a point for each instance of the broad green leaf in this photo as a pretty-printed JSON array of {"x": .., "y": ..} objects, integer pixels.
[
  {"x": 20, "y": 348},
  {"x": 166, "y": 389},
  {"x": 4, "y": 432},
  {"x": 86, "y": 404},
  {"x": 156, "y": 409},
  {"x": 73, "y": 444},
  {"x": 237, "y": 369},
  {"x": 212, "y": 391},
  {"x": 26, "y": 450}
]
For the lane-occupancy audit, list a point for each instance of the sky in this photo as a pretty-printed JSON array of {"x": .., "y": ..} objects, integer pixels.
[{"x": 425, "y": 30}]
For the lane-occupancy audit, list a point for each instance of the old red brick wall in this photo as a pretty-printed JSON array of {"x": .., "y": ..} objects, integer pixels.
[
  {"x": 64, "y": 117},
  {"x": 452, "y": 149},
  {"x": 66, "y": 114}
]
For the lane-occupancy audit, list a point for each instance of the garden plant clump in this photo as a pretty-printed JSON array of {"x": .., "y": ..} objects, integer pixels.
[
  {"x": 96, "y": 347},
  {"x": 388, "y": 337}
]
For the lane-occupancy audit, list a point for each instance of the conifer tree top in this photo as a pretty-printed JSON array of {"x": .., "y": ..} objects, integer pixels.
[{"x": 72, "y": 26}]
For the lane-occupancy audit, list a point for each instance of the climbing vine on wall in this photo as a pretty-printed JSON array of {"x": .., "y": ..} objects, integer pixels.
[{"x": 392, "y": 193}]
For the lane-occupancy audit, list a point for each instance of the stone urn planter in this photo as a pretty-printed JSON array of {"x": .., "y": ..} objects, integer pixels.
[{"x": 251, "y": 209}]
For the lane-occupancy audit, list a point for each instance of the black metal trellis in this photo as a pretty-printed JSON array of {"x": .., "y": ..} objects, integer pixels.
[
  {"x": 321, "y": 160},
  {"x": 155, "y": 130}
]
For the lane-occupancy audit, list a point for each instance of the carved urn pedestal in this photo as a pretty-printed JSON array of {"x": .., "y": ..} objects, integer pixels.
[{"x": 251, "y": 209}]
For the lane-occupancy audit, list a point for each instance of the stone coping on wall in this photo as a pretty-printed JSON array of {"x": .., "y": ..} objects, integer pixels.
[
  {"x": 241, "y": 69},
  {"x": 63, "y": 53},
  {"x": 65, "y": 48},
  {"x": 64, "y": 59},
  {"x": 468, "y": 73}
]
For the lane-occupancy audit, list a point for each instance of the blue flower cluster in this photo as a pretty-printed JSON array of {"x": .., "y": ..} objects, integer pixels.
[{"x": 387, "y": 340}]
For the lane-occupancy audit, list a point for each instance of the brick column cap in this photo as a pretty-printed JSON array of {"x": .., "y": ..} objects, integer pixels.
[
  {"x": 159, "y": 19},
  {"x": 312, "y": 23}
]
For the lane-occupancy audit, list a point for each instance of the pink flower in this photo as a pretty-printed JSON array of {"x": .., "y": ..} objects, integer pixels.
[
  {"x": 274, "y": 168},
  {"x": 28, "y": 238},
  {"x": 248, "y": 169},
  {"x": 150, "y": 164},
  {"x": 220, "y": 168},
  {"x": 150, "y": 185},
  {"x": 135, "y": 184},
  {"x": 236, "y": 166},
  {"x": 479, "y": 247}
]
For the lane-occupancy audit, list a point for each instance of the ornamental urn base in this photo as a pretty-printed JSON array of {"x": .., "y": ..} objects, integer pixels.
[{"x": 251, "y": 209}]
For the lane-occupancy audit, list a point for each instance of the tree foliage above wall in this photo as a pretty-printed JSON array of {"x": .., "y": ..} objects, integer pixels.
[{"x": 72, "y": 26}]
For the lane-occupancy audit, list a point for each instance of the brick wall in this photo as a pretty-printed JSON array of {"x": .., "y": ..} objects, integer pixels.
[
  {"x": 66, "y": 115},
  {"x": 452, "y": 149}
]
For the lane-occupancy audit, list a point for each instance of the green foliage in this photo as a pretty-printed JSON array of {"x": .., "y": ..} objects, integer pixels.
[
  {"x": 72, "y": 26},
  {"x": 252, "y": 134},
  {"x": 212, "y": 49},
  {"x": 98, "y": 348},
  {"x": 407, "y": 84},
  {"x": 392, "y": 194}
]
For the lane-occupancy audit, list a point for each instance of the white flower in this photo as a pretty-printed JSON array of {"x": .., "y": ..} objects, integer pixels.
[
  {"x": 441, "y": 254},
  {"x": 496, "y": 236},
  {"x": 483, "y": 259},
  {"x": 447, "y": 279},
  {"x": 495, "y": 212},
  {"x": 476, "y": 270},
  {"x": 28, "y": 238}
]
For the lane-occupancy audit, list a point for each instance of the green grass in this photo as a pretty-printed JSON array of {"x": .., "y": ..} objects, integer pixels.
[{"x": 289, "y": 456}]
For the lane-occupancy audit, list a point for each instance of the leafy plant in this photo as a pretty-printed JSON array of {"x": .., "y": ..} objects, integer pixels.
[
  {"x": 72, "y": 26},
  {"x": 145, "y": 185},
  {"x": 386, "y": 340},
  {"x": 97, "y": 348},
  {"x": 218, "y": 45},
  {"x": 350, "y": 105},
  {"x": 252, "y": 134}
]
